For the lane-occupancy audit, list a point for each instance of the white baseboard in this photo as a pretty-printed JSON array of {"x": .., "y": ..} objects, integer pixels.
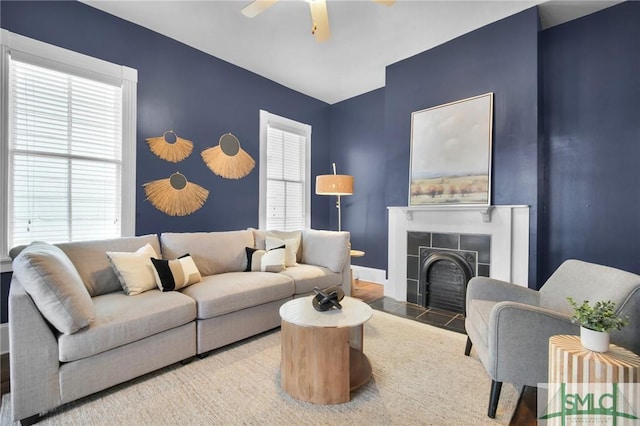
[
  {"x": 4, "y": 338},
  {"x": 378, "y": 276}
]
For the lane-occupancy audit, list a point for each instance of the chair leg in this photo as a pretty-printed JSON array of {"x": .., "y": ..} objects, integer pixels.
[
  {"x": 496, "y": 387},
  {"x": 467, "y": 349}
]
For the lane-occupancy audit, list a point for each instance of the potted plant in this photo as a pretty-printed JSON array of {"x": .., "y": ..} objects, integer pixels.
[{"x": 596, "y": 322}]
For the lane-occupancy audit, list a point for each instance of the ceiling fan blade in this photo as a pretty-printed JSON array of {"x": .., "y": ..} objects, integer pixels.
[
  {"x": 257, "y": 7},
  {"x": 320, "y": 18},
  {"x": 385, "y": 2}
]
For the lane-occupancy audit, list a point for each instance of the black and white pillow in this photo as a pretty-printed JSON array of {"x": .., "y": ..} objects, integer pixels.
[
  {"x": 175, "y": 274},
  {"x": 265, "y": 260},
  {"x": 254, "y": 259}
]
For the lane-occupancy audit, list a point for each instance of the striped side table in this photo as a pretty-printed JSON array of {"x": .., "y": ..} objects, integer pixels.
[{"x": 570, "y": 362}]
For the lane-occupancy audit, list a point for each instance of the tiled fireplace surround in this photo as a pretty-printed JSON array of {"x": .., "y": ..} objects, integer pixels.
[
  {"x": 499, "y": 235},
  {"x": 421, "y": 244}
]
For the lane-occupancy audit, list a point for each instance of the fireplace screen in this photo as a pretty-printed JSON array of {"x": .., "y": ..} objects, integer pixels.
[{"x": 444, "y": 275}]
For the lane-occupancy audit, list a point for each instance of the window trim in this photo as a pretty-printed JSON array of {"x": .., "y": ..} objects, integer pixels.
[
  {"x": 50, "y": 56},
  {"x": 282, "y": 123}
]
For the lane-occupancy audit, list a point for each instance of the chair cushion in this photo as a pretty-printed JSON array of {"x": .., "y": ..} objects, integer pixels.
[
  {"x": 306, "y": 277},
  {"x": 223, "y": 293},
  {"x": 480, "y": 314},
  {"x": 55, "y": 286},
  {"x": 121, "y": 319}
]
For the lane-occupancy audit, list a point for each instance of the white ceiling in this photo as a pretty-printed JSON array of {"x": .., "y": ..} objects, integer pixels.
[{"x": 365, "y": 36}]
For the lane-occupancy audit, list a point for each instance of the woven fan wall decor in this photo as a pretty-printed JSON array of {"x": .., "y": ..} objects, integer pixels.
[
  {"x": 170, "y": 147},
  {"x": 228, "y": 159},
  {"x": 175, "y": 196}
]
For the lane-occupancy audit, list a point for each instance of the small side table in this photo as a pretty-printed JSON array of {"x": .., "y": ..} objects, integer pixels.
[
  {"x": 322, "y": 359},
  {"x": 570, "y": 362},
  {"x": 355, "y": 253}
]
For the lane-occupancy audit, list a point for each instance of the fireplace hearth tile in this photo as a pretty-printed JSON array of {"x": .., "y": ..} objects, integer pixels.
[
  {"x": 449, "y": 241},
  {"x": 417, "y": 239},
  {"x": 484, "y": 270},
  {"x": 435, "y": 317},
  {"x": 479, "y": 243}
]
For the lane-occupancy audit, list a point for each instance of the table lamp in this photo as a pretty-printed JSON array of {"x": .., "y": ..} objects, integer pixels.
[{"x": 335, "y": 184}]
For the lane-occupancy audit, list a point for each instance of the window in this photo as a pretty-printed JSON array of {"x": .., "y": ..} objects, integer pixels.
[
  {"x": 285, "y": 173},
  {"x": 68, "y": 146}
]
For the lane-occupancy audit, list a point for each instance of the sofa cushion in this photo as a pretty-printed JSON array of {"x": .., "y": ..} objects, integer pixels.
[
  {"x": 134, "y": 269},
  {"x": 175, "y": 274},
  {"x": 55, "y": 286},
  {"x": 260, "y": 237},
  {"x": 212, "y": 252},
  {"x": 325, "y": 248},
  {"x": 121, "y": 319},
  {"x": 224, "y": 293},
  {"x": 93, "y": 265},
  {"x": 306, "y": 277}
]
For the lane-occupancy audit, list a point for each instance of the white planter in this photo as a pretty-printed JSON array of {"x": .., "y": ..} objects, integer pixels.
[{"x": 597, "y": 341}]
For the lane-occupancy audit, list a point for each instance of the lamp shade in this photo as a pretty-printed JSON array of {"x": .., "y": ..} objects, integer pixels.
[{"x": 334, "y": 185}]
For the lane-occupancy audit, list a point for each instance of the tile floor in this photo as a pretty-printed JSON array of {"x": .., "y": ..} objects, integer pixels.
[{"x": 433, "y": 316}]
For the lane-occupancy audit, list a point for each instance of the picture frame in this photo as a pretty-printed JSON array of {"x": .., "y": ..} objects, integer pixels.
[{"x": 451, "y": 150}]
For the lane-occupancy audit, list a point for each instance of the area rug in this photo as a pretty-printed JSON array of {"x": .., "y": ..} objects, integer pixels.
[{"x": 420, "y": 377}]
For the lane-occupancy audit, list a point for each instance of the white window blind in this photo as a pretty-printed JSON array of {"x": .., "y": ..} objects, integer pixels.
[
  {"x": 285, "y": 180},
  {"x": 285, "y": 185},
  {"x": 65, "y": 149},
  {"x": 67, "y": 145}
]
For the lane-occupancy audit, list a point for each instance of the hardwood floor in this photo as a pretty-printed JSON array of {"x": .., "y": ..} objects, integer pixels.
[{"x": 524, "y": 415}]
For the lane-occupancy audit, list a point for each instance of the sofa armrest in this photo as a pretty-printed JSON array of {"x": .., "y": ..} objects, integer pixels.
[
  {"x": 484, "y": 288},
  {"x": 519, "y": 341},
  {"x": 33, "y": 357},
  {"x": 329, "y": 249}
]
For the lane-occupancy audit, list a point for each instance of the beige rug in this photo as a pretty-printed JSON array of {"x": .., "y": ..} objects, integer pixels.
[{"x": 420, "y": 377}]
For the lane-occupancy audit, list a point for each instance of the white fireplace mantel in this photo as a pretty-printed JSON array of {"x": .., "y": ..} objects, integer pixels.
[
  {"x": 508, "y": 226},
  {"x": 485, "y": 211}
]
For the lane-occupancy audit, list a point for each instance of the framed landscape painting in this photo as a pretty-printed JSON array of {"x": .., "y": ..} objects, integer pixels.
[{"x": 451, "y": 153}]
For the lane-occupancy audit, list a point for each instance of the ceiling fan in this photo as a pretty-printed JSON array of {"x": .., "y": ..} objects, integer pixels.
[{"x": 319, "y": 15}]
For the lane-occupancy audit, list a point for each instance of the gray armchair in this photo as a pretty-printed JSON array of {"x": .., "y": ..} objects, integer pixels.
[{"x": 509, "y": 326}]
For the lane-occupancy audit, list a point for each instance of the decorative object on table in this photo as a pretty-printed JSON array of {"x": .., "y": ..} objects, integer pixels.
[
  {"x": 335, "y": 184},
  {"x": 170, "y": 147},
  {"x": 327, "y": 299},
  {"x": 175, "y": 196},
  {"x": 596, "y": 322},
  {"x": 228, "y": 159},
  {"x": 451, "y": 153}
]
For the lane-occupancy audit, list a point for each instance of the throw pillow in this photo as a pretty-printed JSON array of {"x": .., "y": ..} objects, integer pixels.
[
  {"x": 134, "y": 270},
  {"x": 254, "y": 259},
  {"x": 175, "y": 274},
  {"x": 291, "y": 248},
  {"x": 273, "y": 260},
  {"x": 260, "y": 237},
  {"x": 55, "y": 286}
]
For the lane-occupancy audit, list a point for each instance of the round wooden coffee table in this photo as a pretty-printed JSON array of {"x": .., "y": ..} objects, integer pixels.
[{"x": 322, "y": 359}]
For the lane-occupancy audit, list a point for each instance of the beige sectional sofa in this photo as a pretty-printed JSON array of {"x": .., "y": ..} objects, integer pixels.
[{"x": 74, "y": 330}]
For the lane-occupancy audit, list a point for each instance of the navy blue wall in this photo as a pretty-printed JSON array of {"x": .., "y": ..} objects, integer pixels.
[
  {"x": 501, "y": 58},
  {"x": 195, "y": 94},
  {"x": 198, "y": 96},
  {"x": 591, "y": 83},
  {"x": 578, "y": 173},
  {"x": 357, "y": 145}
]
